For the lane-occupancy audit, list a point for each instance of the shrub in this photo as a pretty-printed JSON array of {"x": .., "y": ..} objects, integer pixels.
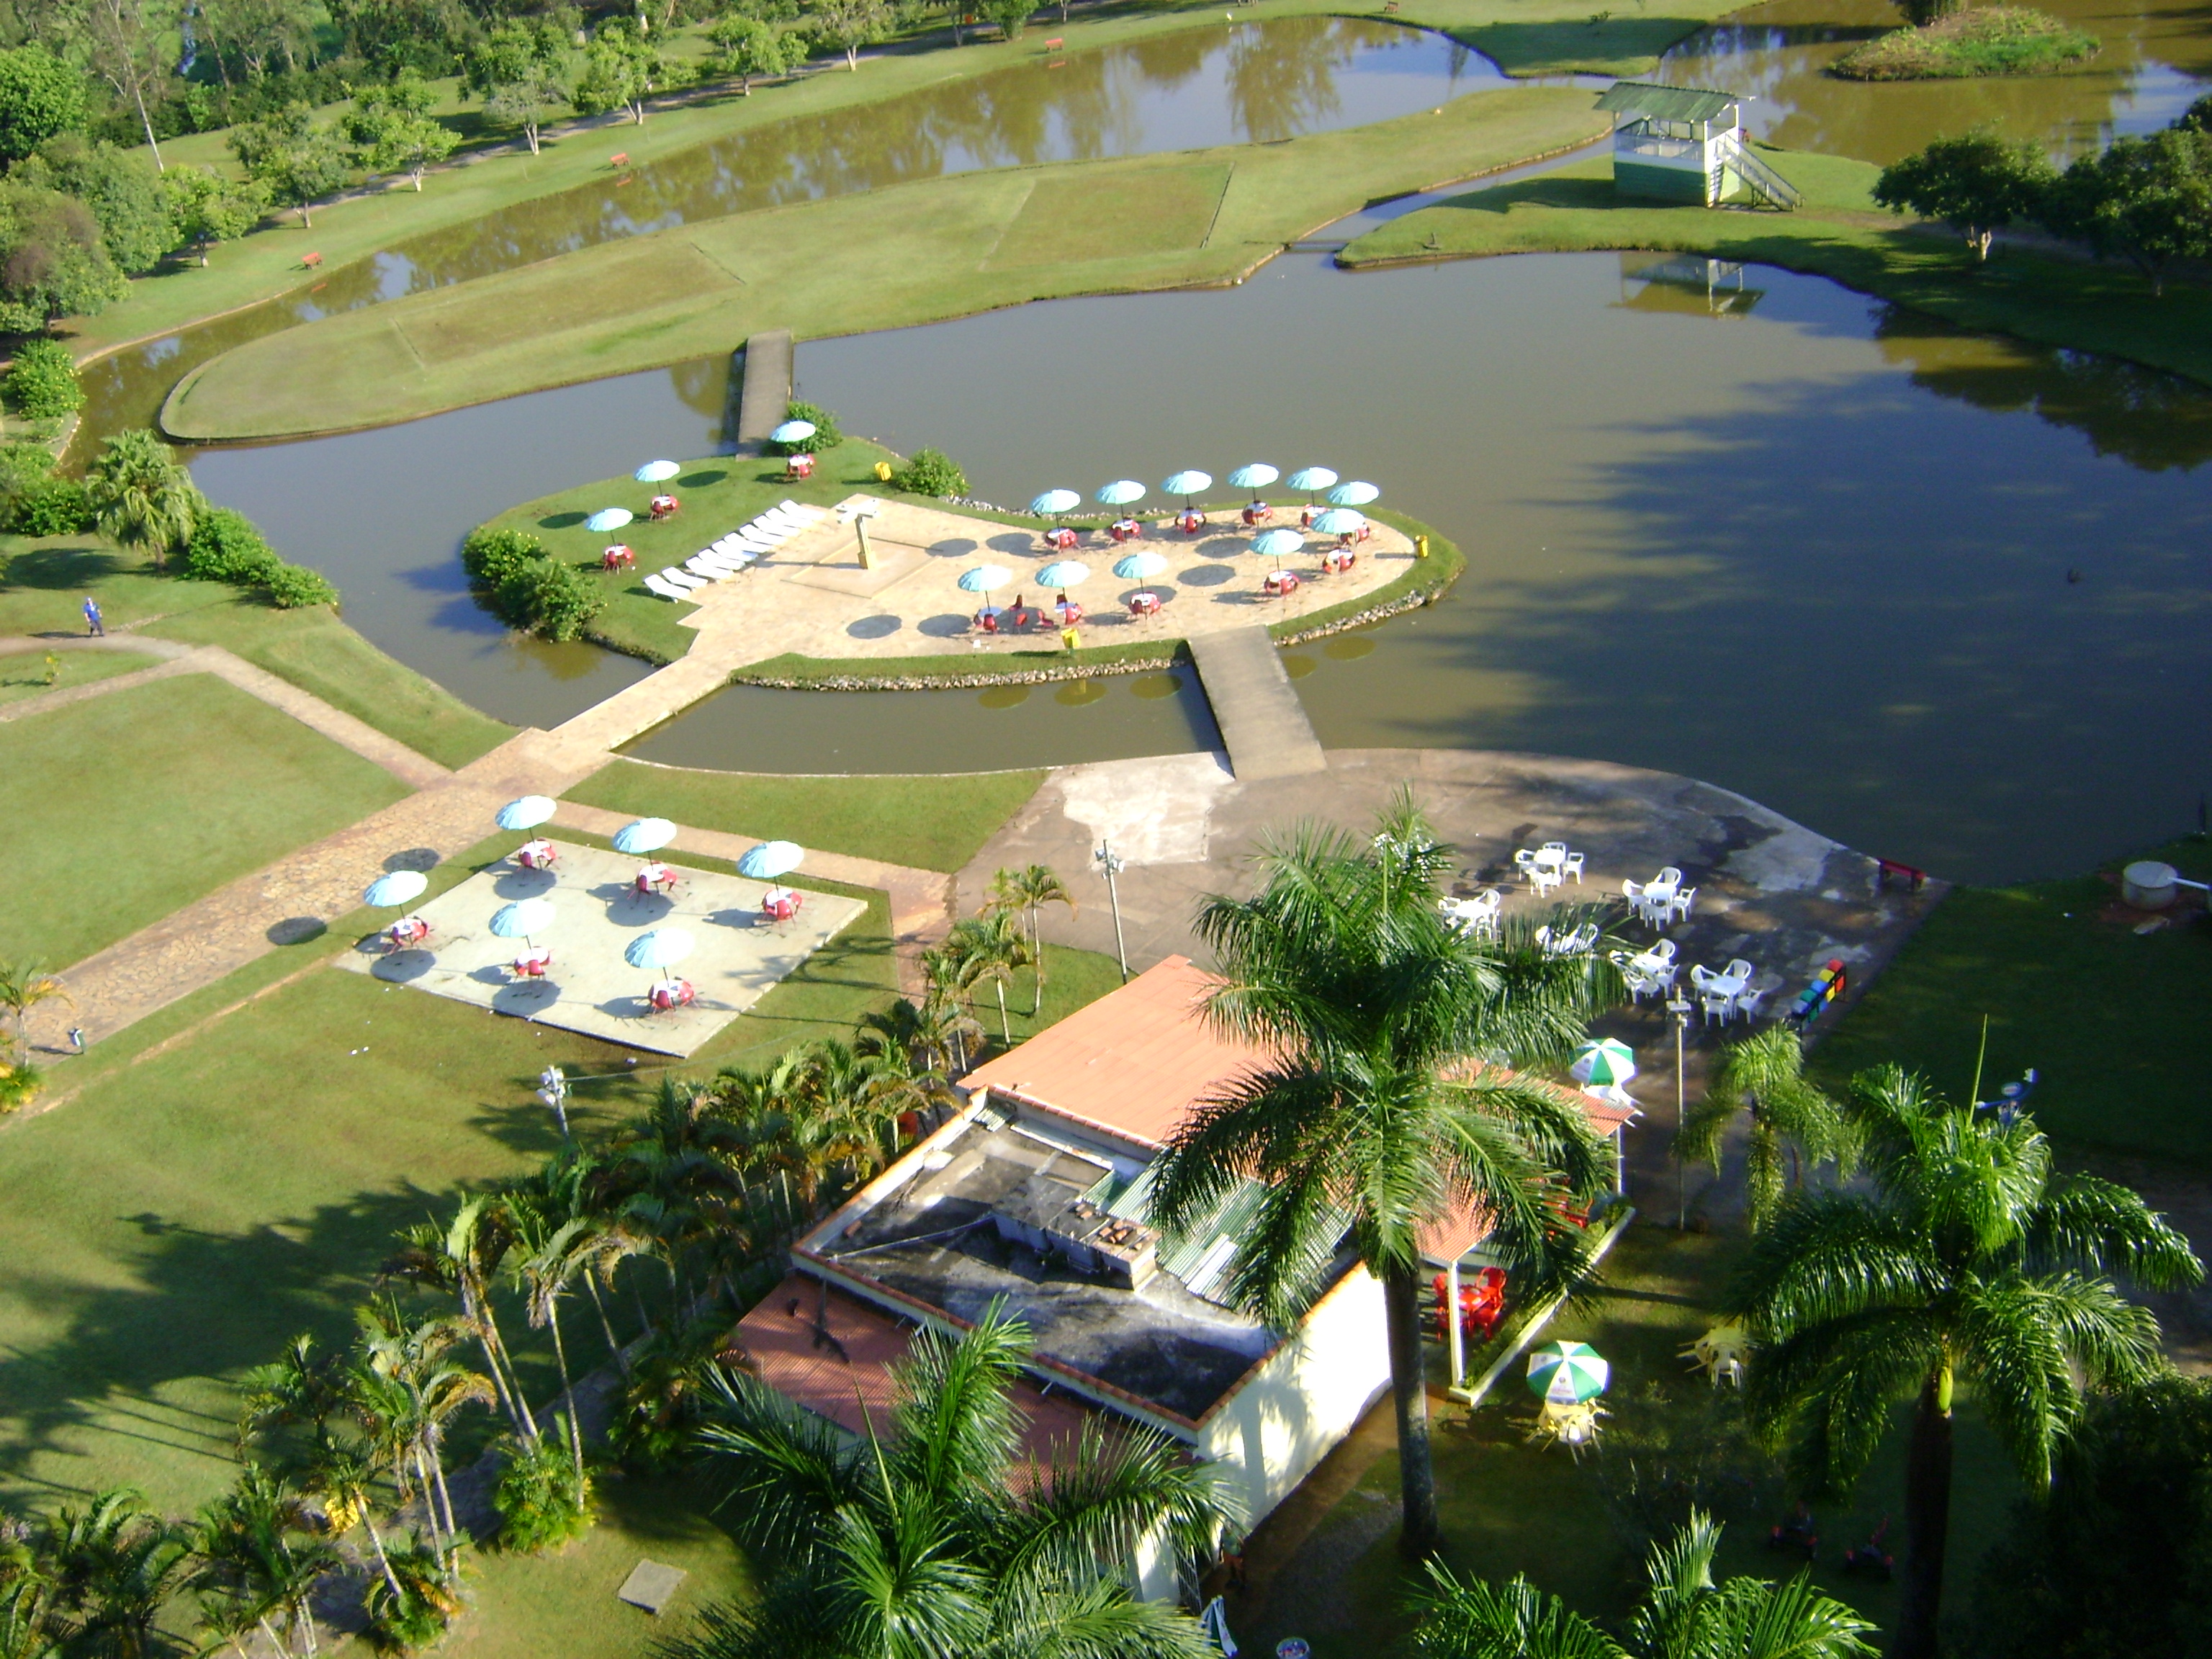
[
  {"x": 291, "y": 586},
  {"x": 549, "y": 598},
  {"x": 20, "y": 1081},
  {"x": 55, "y": 506},
  {"x": 660, "y": 1401},
  {"x": 423, "y": 1606},
  {"x": 930, "y": 472},
  {"x": 43, "y": 384},
  {"x": 490, "y": 556},
  {"x": 827, "y": 433},
  {"x": 226, "y": 547},
  {"x": 543, "y": 1502},
  {"x": 23, "y": 467}
]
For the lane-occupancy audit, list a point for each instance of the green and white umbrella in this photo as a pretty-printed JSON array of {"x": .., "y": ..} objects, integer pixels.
[
  {"x": 1606, "y": 1064},
  {"x": 1567, "y": 1373}
]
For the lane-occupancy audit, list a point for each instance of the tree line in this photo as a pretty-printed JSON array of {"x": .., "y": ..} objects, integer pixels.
[{"x": 2144, "y": 200}]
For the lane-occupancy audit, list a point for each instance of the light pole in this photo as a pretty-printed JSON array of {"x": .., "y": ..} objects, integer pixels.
[
  {"x": 553, "y": 1089},
  {"x": 1105, "y": 860},
  {"x": 1678, "y": 1006}
]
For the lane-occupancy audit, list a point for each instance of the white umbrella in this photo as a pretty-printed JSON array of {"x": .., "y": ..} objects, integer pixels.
[
  {"x": 656, "y": 471},
  {"x": 771, "y": 858},
  {"x": 522, "y": 918},
  {"x": 608, "y": 518},
  {"x": 1121, "y": 492},
  {"x": 662, "y": 947},
  {"x": 985, "y": 577},
  {"x": 400, "y": 887},
  {"x": 1256, "y": 476},
  {"x": 792, "y": 432},
  {"x": 1187, "y": 485},
  {"x": 1140, "y": 565},
  {"x": 644, "y": 835},
  {"x": 1055, "y": 501},
  {"x": 1277, "y": 545},
  {"x": 1312, "y": 479},
  {"x": 1339, "y": 521},
  {"x": 1603, "y": 1063},
  {"x": 527, "y": 812},
  {"x": 1355, "y": 494}
]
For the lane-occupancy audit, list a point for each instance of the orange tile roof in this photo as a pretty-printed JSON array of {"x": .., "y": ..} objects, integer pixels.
[
  {"x": 1133, "y": 1063},
  {"x": 850, "y": 1382}
]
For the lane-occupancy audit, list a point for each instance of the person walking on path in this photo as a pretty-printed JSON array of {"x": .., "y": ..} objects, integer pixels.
[{"x": 93, "y": 623}]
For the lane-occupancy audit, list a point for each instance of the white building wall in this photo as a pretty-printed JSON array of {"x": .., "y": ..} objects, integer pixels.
[{"x": 1301, "y": 1400}]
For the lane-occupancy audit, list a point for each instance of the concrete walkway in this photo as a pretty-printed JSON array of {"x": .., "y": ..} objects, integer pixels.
[
  {"x": 177, "y": 658},
  {"x": 1261, "y": 717},
  {"x": 766, "y": 391}
]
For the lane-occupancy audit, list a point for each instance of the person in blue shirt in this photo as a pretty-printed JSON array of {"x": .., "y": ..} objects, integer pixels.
[{"x": 92, "y": 617}]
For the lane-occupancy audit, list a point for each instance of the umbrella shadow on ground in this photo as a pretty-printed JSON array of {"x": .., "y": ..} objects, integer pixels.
[
  {"x": 526, "y": 997},
  {"x": 296, "y": 930},
  {"x": 701, "y": 480},
  {"x": 875, "y": 628},
  {"x": 949, "y": 625},
  {"x": 1163, "y": 592},
  {"x": 952, "y": 547},
  {"x": 628, "y": 908},
  {"x": 1020, "y": 544},
  {"x": 415, "y": 858},
  {"x": 561, "y": 521},
  {"x": 521, "y": 884},
  {"x": 1208, "y": 575},
  {"x": 404, "y": 967},
  {"x": 736, "y": 919}
]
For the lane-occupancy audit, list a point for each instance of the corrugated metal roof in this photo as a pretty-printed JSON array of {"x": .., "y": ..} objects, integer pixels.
[{"x": 1664, "y": 103}]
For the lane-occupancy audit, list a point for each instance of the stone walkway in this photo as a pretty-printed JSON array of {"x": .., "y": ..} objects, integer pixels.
[
  {"x": 1261, "y": 717},
  {"x": 177, "y": 658}
]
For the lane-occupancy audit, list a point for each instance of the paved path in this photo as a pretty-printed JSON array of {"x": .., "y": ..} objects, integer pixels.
[
  {"x": 766, "y": 391},
  {"x": 1260, "y": 715},
  {"x": 177, "y": 658}
]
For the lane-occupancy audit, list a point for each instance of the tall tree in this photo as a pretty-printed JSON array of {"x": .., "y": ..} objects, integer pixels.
[
  {"x": 519, "y": 70},
  {"x": 141, "y": 497},
  {"x": 1684, "y": 1615},
  {"x": 621, "y": 68},
  {"x": 1968, "y": 1258},
  {"x": 125, "y": 194},
  {"x": 2146, "y": 200},
  {"x": 115, "y": 1564},
  {"x": 1029, "y": 890},
  {"x": 127, "y": 43},
  {"x": 1977, "y": 185},
  {"x": 40, "y": 95},
  {"x": 23, "y": 987},
  {"x": 391, "y": 129},
  {"x": 297, "y": 158},
  {"x": 207, "y": 208},
  {"x": 1378, "y": 1114},
  {"x": 849, "y": 25},
  {"x": 986, "y": 950},
  {"x": 749, "y": 48},
  {"x": 254, "y": 1550},
  {"x": 462, "y": 1259},
  {"x": 1792, "y": 1121},
  {"x": 53, "y": 263},
  {"x": 934, "y": 1539}
]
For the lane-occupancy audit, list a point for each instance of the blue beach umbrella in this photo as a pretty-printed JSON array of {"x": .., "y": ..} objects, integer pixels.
[
  {"x": 660, "y": 947},
  {"x": 1339, "y": 521},
  {"x": 400, "y": 887},
  {"x": 1121, "y": 492},
  {"x": 1187, "y": 485},
  {"x": 792, "y": 432},
  {"x": 1312, "y": 479},
  {"x": 1358, "y": 493},
  {"x": 608, "y": 518},
  {"x": 985, "y": 577},
  {"x": 1277, "y": 545},
  {"x": 1055, "y": 501},
  {"x": 526, "y": 812},
  {"x": 522, "y": 918},
  {"x": 1257, "y": 475},
  {"x": 1062, "y": 575},
  {"x": 1140, "y": 565},
  {"x": 656, "y": 471},
  {"x": 771, "y": 858},
  {"x": 644, "y": 835}
]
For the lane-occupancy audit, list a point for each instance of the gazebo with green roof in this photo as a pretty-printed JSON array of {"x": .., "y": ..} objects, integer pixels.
[{"x": 1685, "y": 144}]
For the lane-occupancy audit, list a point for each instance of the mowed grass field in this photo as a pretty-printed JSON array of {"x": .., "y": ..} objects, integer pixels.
[
  {"x": 884, "y": 258},
  {"x": 25, "y": 674},
  {"x": 125, "y": 806},
  {"x": 1838, "y": 233},
  {"x": 926, "y": 822},
  {"x": 43, "y": 582}
]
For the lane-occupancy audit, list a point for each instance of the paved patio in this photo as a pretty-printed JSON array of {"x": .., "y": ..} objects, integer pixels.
[{"x": 597, "y": 910}]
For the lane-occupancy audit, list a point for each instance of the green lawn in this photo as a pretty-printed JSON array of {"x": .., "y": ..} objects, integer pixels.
[
  {"x": 931, "y": 822},
  {"x": 1838, "y": 233},
  {"x": 26, "y": 674},
  {"x": 883, "y": 258},
  {"x": 126, "y": 807},
  {"x": 43, "y": 583},
  {"x": 2094, "y": 1008}
]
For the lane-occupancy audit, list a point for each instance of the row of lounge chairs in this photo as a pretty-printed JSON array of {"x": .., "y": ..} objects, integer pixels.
[{"x": 738, "y": 551}]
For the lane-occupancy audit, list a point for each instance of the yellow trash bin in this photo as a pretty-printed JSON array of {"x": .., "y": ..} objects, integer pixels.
[
  {"x": 1420, "y": 547},
  {"x": 1072, "y": 639},
  {"x": 882, "y": 472}
]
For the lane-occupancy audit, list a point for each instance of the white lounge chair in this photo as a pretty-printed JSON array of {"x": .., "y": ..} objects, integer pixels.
[
  {"x": 678, "y": 577},
  {"x": 699, "y": 565},
  {"x": 804, "y": 510},
  {"x": 667, "y": 590}
]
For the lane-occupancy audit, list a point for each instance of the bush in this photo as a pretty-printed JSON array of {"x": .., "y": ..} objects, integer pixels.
[
  {"x": 55, "y": 506},
  {"x": 490, "y": 556},
  {"x": 226, "y": 547},
  {"x": 543, "y": 1503},
  {"x": 827, "y": 433},
  {"x": 292, "y": 587},
  {"x": 930, "y": 472},
  {"x": 42, "y": 384},
  {"x": 549, "y": 598},
  {"x": 20, "y": 1081}
]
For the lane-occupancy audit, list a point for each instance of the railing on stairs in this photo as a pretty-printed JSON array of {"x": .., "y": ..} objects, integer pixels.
[{"x": 1765, "y": 184}]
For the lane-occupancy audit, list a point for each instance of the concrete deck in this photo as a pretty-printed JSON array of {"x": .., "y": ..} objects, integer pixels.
[
  {"x": 1262, "y": 720},
  {"x": 737, "y": 958},
  {"x": 766, "y": 391}
]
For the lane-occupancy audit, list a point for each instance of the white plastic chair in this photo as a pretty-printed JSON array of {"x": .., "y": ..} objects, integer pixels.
[
  {"x": 1573, "y": 865},
  {"x": 1747, "y": 1001},
  {"x": 1556, "y": 848},
  {"x": 1633, "y": 892},
  {"x": 1524, "y": 860},
  {"x": 1678, "y": 907},
  {"x": 1669, "y": 877},
  {"x": 1662, "y": 951},
  {"x": 1543, "y": 878}
]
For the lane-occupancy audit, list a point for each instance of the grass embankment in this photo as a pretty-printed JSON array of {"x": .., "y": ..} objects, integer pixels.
[
  {"x": 1524, "y": 37},
  {"x": 27, "y": 674},
  {"x": 1838, "y": 233},
  {"x": 928, "y": 823},
  {"x": 2112, "y": 1021},
  {"x": 1987, "y": 40},
  {"x": 42, "y": 583},
  {"x": 886, "y": 258},
  {"x": 126, "y": 807}
]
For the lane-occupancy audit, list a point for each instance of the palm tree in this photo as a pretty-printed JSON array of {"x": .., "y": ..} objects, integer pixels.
[
  {"x": 1029, "y": 889},
  {"x": 927, "y": 1540},
  {"x": 23, "y": 987},
  {"x": 463, "y": 1258},
  {"x": 412, "y": 1355},
  {"x": 1373, "y": 1119},
  {"x": 1967, "y": 1257},
  {"x": 986, "y": 949},
  {"x": 344, "y": 1479},
  {"x": 256, "y": 1553},
  {"x": 115, "y": 1563},
  {"x": 930, "y": 1034},
  {"x": 300, "y": 1389},
  {"x": 1684, "y": 1615},
  {"x": 141, "y": 497},
  {"x": 553, "y": 1254},
  {"x": 1764, "y": 1076}
]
